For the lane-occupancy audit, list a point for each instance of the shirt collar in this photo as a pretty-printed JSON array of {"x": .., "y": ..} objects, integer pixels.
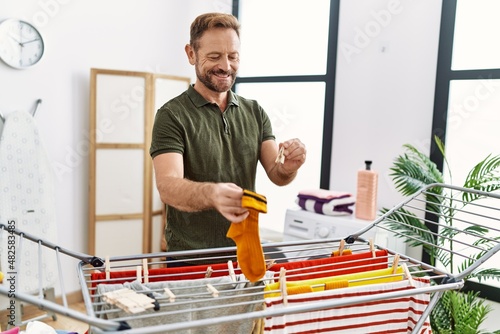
[{"x": 199, "y": 101}]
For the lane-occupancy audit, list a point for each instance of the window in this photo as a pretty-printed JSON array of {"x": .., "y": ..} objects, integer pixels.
[
  {"x": 288, "y": 57},
  {"x": 467, "y": 99}
]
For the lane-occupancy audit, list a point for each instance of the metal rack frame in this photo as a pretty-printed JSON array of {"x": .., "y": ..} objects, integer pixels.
[{"x": 464, "y": 225}]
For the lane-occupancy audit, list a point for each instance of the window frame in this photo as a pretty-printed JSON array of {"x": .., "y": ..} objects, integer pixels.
[
  {"x": 328, "y": 78},
  {"x": 444, "y": 75}
]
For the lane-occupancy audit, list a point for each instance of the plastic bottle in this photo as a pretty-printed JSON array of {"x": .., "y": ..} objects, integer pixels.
[{"x": 366, "y": 195}]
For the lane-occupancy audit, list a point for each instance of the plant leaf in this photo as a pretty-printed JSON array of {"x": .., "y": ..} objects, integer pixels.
[
  {"x": 414, "y": 170},
  {"x": 484, "y": 177}
]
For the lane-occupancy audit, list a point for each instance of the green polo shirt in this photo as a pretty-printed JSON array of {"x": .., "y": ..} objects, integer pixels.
[{"x": 216, "y": 147}]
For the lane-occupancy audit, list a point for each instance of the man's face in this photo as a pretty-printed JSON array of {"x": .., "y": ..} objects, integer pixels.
[{"x": 217, "y": 59}]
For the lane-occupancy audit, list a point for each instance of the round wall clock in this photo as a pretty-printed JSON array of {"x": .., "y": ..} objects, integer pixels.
[{"x": 21, "y": 44}]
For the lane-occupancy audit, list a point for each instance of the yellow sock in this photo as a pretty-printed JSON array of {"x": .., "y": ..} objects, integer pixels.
[
  {"x": 336, "y": 284},
  {"x": 246, "y": 236},
  {"x": 296, "y": 290}
]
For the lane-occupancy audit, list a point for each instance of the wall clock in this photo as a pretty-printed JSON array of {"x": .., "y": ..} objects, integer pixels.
[{"x": 21, "y": 44}]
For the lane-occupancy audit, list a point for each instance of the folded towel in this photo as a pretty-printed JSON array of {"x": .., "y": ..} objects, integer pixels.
[
  {"x": 327, "y": 202},
  {"x": 322, "y": 195}
]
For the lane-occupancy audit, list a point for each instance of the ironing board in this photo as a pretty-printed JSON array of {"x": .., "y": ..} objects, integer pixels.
[{"x": 27, "y": 201}]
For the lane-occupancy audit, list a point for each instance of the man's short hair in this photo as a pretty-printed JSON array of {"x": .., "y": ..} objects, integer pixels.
[{"x": 209, "y": 21}]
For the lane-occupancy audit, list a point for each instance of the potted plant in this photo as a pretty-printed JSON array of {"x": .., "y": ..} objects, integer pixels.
[{"x": 457, "y": 311}]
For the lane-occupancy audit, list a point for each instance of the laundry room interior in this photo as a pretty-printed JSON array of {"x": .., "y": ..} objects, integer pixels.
[{"x": 380, "y": 99}]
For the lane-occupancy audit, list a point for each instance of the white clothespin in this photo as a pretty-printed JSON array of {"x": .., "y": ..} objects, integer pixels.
[
  {"x": 282, "y": 280},
  {"x": 407, "y": 274},
  {"x": 281, "y": 157},
  {"x": 209, "y": 272},
  {"x": 106, "y": 267},
  {"x": 145, "y": 270},
  {"x": 230, "y": 268},
  {"x": 341, "y": 247},
  {"x": 372, "y": 247},
  {"x": 170, "y": 294},
  {"x": 395, "y": 263},
  {"x": 128, "y": 300},
  {"x": 270, "y": 263},
  {"x": 138, "y": 273},
  {"x": 213, "y": 290}
]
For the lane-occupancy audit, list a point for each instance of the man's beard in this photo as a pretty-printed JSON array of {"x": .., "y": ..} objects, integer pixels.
[{"x": 220, "y": 88}]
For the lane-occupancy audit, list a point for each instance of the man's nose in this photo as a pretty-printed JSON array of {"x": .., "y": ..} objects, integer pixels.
[{"x": 224, "y": 63}]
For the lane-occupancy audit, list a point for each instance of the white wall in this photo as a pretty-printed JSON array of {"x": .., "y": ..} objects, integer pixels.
[
  {"x": 147, "y": 35},
  {"x": 384, "y": 96}
]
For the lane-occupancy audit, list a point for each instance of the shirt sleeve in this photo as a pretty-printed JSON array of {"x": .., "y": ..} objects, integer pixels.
[
  {"x": 167, "y": 135},
  {"x": 267, "y": 133}
]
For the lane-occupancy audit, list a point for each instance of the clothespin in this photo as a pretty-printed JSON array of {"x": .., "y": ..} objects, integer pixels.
[
  {"x": 407, "y": 274},
  {"x": 341, "y": 246},
  {"x": 395, "y": 263},
  {"x": 230, "y": 268},
  {"x": 170, "y": 294},
  {"x": 145, "y": 270},
  {"x": 106, "y": 267},
  {"x": 129, "y": 300},
  {"x": 138, "y": 273},
  {"x": 281, "y": 157},
  {"x": 213, "y": 290},
  {"x": 209, "y": 272},
  {"x": 270, "y": 263},
  {"x": 282, "y": 280},
  {"x": 372, "y": 247}
]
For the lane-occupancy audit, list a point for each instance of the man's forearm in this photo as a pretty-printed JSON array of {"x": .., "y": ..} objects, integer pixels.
[
  {"x": 281, "y": 177},
  {"x": 185, "y": 195}
]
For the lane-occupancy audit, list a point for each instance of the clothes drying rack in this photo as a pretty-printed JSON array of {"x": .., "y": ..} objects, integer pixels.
[{"x": 460, "y": 236}]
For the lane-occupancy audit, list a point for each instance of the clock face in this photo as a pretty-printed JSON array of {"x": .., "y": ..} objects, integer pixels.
[{"x": 21, "y": 45}]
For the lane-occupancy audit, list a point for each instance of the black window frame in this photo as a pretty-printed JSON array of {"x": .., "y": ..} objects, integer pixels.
[
  {"x": 328, "y": 78},
  {"x": 444, "y": 76}
]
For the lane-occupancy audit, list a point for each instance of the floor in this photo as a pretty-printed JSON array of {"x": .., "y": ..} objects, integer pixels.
[{"x": 60, "y": 323}]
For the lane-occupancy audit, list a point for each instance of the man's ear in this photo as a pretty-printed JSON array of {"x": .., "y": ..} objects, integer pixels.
[{"x": 190, "y": 54}]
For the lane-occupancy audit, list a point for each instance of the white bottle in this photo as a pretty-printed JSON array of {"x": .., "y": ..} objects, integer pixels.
[{"x": 366, "y": 195}]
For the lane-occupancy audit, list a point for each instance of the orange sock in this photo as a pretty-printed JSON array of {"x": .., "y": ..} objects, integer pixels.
[
  {"x": 344, "y": 252},
  {"x": 246, "y": 236}
]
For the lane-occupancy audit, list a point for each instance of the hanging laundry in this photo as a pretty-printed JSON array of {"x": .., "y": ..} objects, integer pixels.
[
  {"x": 192, "y": 302},
  {"x": 333, "y": 266},
  {"x": 246, "y": 236},
  {"x": 394, "y": 315},
  {"x": 161, "y": 274},
  {"x": 357, "y": 279}
]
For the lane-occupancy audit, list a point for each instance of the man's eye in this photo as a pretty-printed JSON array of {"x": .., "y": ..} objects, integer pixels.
[{"x": 213, "y": 57}]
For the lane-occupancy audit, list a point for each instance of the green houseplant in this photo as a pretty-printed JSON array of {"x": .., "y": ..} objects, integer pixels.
[{"x": 456, "y": 312}]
